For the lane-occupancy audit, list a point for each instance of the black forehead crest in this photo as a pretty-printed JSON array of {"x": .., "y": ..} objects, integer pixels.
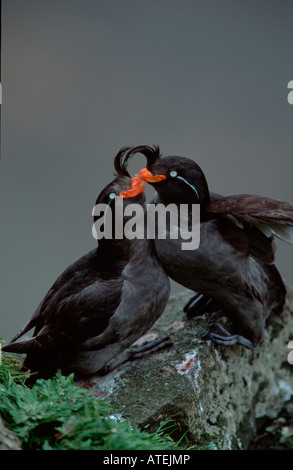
[{"x": 121, "y": 162}]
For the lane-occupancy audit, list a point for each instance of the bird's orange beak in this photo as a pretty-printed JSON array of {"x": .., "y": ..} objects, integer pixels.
[
  {"x": 146, "y": 175},
  {"x": 138, "y": 183},
  {"x": 137, "y": 187}
]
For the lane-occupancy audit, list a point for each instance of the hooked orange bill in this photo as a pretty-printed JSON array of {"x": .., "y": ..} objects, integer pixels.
[
  {"x": 137, "y": 187},
  {"x": 138, "y": 183},
  {"x": 146, "y": 175}
]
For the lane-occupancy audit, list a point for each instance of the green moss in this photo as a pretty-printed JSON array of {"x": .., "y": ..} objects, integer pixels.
[{"x": 55, "y": 414}]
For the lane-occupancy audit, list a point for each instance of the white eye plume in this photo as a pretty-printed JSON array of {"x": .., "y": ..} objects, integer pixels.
[
  {"x": 174, "y": 174},
  {"x": 189, "y": 184}
]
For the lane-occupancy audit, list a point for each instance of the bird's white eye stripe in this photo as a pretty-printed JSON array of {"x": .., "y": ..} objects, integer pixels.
[
  {"x": 173, "y": 173},
  {"x": 189, "y": 184},
  {"x": 112, "y": 196}
]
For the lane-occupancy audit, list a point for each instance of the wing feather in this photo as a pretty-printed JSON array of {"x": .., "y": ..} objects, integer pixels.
[
  {"x": 79, "y": 305},
  {"x": 270, "y": 216}
]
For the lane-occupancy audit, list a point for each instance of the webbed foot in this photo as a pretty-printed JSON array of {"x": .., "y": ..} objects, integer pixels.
[
  {"x": 219, "y": 335},
  {"x": 142, "y": 351}
]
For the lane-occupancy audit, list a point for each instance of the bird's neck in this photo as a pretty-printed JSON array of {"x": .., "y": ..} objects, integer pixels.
[
  {"x": 166, "y": 202},
  {"x": 125, "y": 248}
]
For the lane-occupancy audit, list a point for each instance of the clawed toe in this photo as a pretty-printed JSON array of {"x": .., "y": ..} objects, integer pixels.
[
  {"x": 149, "y": 347},
  {"x": 219, "y": 335},
  {"x": 142, "y": 351}
]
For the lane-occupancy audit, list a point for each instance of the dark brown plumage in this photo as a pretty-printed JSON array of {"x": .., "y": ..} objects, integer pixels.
[
  {"x": 233, "y": 267},
  {"x": 99, "y": 305}
]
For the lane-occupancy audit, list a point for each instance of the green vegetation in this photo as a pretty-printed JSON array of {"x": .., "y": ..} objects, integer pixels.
[
  {"x": 55, "y": 414},
  {"x": 11, "y": 370}
]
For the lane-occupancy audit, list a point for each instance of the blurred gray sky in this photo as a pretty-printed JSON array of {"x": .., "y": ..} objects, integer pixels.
[{"x": 83, "y": 78}]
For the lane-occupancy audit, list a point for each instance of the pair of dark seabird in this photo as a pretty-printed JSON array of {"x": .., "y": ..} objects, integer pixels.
[{"x": 110, "y": 297}]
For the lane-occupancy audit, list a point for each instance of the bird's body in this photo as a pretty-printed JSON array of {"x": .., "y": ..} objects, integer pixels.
[
  {"x": 234, "y": 262},
  {"x": 243, "y": 287},
  {"x": 99, "y": 306}
]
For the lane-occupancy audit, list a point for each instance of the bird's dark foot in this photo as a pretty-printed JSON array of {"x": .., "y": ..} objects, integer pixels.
[
  {"x": 142, "y": 351},
  {"x": 199, "y": 304},
  {"x": 149, "y": 347},
  {"x": 219, "y": 335}
]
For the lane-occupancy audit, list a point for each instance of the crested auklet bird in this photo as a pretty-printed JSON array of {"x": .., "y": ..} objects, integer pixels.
[
  {"x": 232, "y": 270},
  {"x": 102, "y": 303}
]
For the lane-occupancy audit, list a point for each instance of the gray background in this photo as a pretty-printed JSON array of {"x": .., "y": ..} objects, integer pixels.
[{"x": 82, "y": 78}]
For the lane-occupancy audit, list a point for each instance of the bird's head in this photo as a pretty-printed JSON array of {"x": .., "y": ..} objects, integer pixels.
[
  {"x": 110, "y": 210},
  {"x": 176, "y": 179},
  {"x": 130, "y": 189}
]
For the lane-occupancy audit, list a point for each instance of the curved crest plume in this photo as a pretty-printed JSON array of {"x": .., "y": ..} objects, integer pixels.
[
  {"x": 124, "y": 154},
  {"x": 121, "y": 162},
  {"x": 151, "y": 153}
]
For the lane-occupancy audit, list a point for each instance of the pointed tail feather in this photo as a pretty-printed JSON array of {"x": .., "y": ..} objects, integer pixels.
[{"x": 21, "y": 347}]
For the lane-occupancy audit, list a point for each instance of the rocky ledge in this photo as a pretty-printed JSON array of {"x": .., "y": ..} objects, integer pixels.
[{"x": 219, "y": 394}]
